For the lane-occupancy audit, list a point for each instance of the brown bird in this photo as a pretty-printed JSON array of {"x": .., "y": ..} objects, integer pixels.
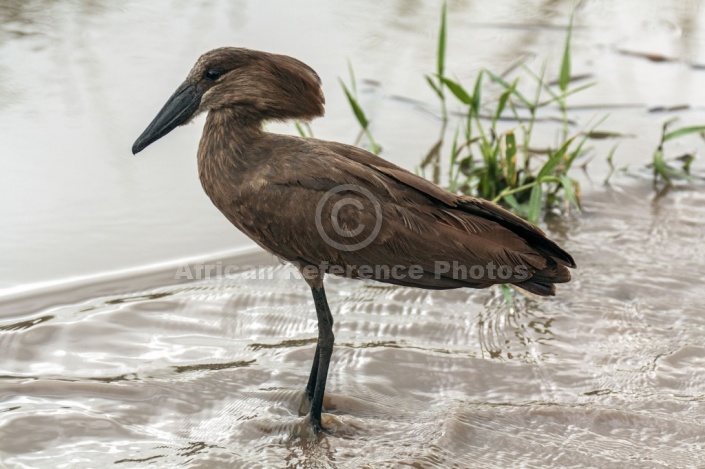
[{"x": 327, "y": 207}]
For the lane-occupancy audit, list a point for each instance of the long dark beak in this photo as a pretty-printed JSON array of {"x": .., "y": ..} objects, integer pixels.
[{"x": 182, "y": 105}]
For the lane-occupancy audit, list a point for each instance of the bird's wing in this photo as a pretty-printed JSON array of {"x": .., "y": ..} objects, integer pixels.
[
  {"x": 471, "y": 205},
  {"x": 331, "y": 208}
]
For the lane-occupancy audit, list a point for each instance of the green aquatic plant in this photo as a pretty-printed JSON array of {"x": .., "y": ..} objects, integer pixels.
[
  {"x": 305, "y": 130},
  {"x": 501, "y": 165},
  {"x": 351, "y": 94},
  {"x": 664, "y": 170}
]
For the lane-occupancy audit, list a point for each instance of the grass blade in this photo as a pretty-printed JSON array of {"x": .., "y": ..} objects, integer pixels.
[
  {"x": 569, "y": 189},
  {"x": 507, "y": 294},
  {"x": 299, "y": 129},
  {"x": 610, "y": 162},
  {"x": 550, "y": 165},
  {"x": 554, "y": 160},
  {"x": 435, "y": 87},
  {"x": 353, "y": 82},
  {"x": 457, "y": 90},
  {"x": 359, "y": 113},
  {"x": 511, "y": 157},
  {"x": 683, "y": 131},
  {"x": 441, "y": 57},
  {"x": 507, "y": 192},
  {"x": 564, "y": 77},
  {"x": 500, "y": 81},
  {"x": 535, "y": 203},
  {"x": 504, "y": 97},
  {"x": 514, "y": 204},
  {"x": 555, "y": 97},
  {"x": 660, "y": 167},
  {"x": 476, "y": 93},
  {"x": 433, "y": 154},
  {"x": 576, "y": 152}
]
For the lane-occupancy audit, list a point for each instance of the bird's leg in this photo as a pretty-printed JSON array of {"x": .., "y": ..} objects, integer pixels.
[
  {"x": 324, "y": 350},
  {"x": 311, "y": 386},
  {"x": 316, "y": 386}
]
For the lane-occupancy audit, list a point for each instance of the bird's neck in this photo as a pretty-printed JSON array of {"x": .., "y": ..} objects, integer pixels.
[
  {"x": 229, "y": 129},
  {"x": 223, "y": 159}
]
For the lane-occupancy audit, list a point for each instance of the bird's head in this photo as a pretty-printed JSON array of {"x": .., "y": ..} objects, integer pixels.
[{"x": 257, "y": 85}]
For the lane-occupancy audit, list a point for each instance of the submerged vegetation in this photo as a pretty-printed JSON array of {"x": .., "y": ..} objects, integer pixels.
[{"x": 489, "y": 159}]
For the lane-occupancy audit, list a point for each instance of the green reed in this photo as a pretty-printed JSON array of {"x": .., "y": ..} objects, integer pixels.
[
  {"x": 664, "y": 170},
  {"x": 351, "y": 94},
  {"x": 501, "y": 165}
]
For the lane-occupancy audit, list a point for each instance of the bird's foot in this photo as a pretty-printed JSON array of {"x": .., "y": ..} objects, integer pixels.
[
  {"x": 315, "y": 418},
  {"x": 316, "y": 425},
  {"x": 333, "y": 425}
]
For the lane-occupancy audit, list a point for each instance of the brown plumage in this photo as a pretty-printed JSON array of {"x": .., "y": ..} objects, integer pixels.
[{"x": 333, "y": 208}]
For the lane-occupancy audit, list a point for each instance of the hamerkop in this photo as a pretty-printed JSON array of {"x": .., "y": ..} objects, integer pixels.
[{"x": 328, "y": 207}]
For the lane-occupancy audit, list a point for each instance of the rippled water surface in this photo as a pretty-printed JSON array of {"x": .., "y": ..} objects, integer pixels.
[
  {"x": 610, "y": 373},
  {"x": 107, "y": 360}
]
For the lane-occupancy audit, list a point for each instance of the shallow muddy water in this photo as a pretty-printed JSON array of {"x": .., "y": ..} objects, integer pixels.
[
  {"x": 610, "y": 373},
  {"x": 112, "y": 356}
]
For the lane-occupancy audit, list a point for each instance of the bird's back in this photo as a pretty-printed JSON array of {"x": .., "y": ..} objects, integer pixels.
[{"x": 355, "y": 214}]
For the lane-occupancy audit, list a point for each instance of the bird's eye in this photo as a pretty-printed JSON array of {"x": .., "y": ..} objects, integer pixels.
[{"x": 213, "y": 74}]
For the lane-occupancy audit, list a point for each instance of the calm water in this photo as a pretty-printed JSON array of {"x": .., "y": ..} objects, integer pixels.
[{"x": 108, "y": 359}]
